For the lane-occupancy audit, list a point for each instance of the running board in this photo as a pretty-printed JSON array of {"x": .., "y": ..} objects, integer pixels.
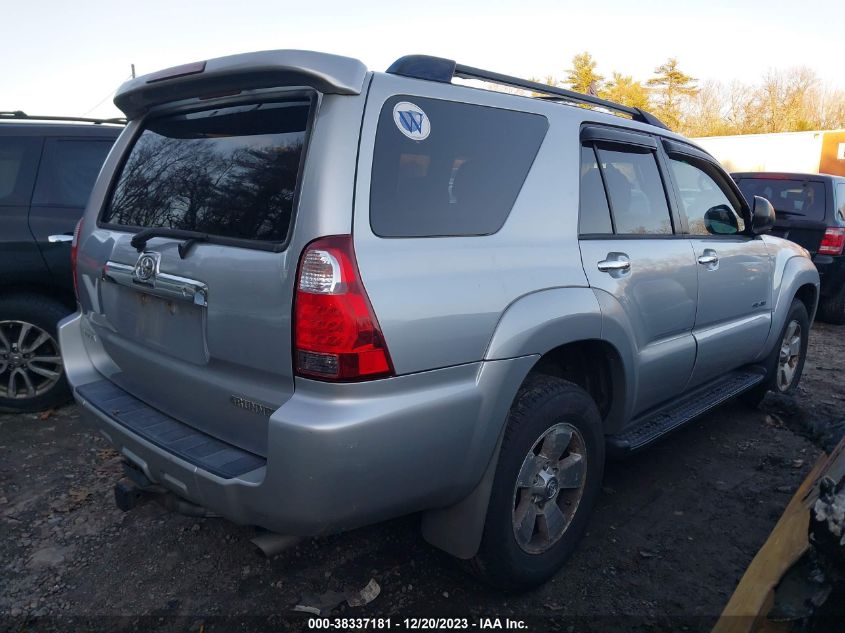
[{"x": 658, "y": 422}]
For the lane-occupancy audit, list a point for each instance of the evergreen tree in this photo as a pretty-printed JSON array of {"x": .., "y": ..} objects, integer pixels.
[
  {"x": 583, "y": 74},
  {"x": 671, "y": 87}
]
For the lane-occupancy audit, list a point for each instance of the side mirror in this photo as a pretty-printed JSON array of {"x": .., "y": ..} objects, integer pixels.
[
  {"x": 762, "y": 216},
  {"x": 721, "y": 220}
]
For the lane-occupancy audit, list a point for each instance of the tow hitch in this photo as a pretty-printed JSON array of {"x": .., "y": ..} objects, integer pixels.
[
  {"x": 127, "y": 494},
  {"x": 135, "y": 489}
]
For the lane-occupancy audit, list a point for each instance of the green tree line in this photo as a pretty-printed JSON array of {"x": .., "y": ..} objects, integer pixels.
[{"x": 790, "y": 100}]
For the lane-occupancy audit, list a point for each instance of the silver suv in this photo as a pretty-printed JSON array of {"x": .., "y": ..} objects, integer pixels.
[{"x": 313, "y": 297}]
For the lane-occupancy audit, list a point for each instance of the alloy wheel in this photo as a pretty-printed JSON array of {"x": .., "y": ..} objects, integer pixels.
[
  {"x": 30, "y": 362},
  {"x": 789, "y": 356},
  {"x": 549, "y": 488}
]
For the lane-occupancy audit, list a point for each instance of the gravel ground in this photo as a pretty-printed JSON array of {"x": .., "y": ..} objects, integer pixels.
[{"x": 673, "y": 532}]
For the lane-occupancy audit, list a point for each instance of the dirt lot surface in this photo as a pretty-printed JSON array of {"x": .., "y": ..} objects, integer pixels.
[{"x": 673, "y": 532}]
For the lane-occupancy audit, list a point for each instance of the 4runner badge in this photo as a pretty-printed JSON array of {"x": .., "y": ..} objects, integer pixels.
[
  {"x": 411, "y": 121},
  {"x": 249, "y": 405}
]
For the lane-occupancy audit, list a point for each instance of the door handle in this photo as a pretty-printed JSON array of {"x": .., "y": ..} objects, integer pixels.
[
  {"x": 618, "y": 263},
  {"x": 708, "y": 258},
  {"x": 53, "y": 239}
]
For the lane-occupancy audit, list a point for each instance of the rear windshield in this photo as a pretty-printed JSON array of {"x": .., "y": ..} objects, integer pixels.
[
  {"x": 442, "y": 168},
  {"x": 792, "y": 198},
  {"x": 229, "y": 172}
]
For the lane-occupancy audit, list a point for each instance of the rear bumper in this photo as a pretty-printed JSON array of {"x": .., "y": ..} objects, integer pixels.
[
  {"x": 338, "y": 455},
  {"x": 831, "y": 273}
]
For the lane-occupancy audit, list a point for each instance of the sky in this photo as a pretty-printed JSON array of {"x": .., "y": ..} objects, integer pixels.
[{"x": 63, "y": 57}]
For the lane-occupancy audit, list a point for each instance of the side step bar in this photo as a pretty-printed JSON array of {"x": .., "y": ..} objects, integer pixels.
[{"x": 658, "y": 422}]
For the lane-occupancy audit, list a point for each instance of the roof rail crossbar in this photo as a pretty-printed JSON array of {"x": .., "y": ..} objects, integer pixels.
[
  {"x": 21, "y": 115},
  {"x": 443, "y": 70}
]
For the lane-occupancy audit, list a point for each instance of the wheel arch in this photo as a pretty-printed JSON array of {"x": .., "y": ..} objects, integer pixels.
[
  {"x": 54, "y": 292},
  {"x": 561, "y": 330}
]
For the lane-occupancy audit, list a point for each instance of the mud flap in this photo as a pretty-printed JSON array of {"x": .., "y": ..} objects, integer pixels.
[{"x": 457, "y": 529}]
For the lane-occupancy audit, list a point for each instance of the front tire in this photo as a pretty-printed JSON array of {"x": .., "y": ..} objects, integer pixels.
[
  {"x": 547, "y": 480},
  {"x": 786, "y": 361},
  {"x": 31, "y": 372}
]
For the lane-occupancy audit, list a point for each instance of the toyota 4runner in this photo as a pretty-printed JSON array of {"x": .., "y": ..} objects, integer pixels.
[{"x": 313, "y": 297}]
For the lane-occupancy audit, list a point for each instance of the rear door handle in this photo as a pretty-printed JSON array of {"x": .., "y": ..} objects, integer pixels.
[
  {"x": 53, "y": 239},
  {"x": 615, "y": 262},
  {"x": 708, "y": 258}
]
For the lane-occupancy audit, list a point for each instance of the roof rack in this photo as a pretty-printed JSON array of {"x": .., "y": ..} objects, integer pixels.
[
  {"x": 443, "y": 70},
  {"x": 20, "y": 115}
]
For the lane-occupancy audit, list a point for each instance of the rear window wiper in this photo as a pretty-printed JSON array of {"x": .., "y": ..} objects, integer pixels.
[{"x": 140, "y": 239}]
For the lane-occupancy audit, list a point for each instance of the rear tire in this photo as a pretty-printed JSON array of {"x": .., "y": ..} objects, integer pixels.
[
  {"x": 832, "y": 309},
  {"x": 31, "y": 372},
  {"x": 785, "y": 363},
  {"x": 547, "y": 480}
]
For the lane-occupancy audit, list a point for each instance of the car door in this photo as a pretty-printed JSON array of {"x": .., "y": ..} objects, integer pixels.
[
  {"x": 734, "y": 269},
  {"x": 20, "y": 261},
  {"x": 69, "y": 167},
  {"x": 642, "y": 269}
]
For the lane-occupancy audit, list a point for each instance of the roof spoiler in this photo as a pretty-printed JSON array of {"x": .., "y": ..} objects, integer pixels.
[{"x": 330, "y": 74}]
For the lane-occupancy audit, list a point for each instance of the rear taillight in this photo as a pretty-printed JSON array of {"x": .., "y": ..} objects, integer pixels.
[
  {"x": 832, "y": 242},
  {"x": 336, "y": 335},
  {"x": 74, "y": 250}
]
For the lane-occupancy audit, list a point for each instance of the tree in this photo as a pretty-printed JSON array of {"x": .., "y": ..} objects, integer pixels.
[
  {"x": 583, "y": 74},
  {"x": 671, "y": 88},
  {"x": 623, "y": 89}
]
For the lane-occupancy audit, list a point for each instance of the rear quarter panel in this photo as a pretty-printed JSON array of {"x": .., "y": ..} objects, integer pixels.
[{"x": 439, "y": 299}]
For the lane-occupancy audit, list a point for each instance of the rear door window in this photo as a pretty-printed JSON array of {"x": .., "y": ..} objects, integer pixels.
[
  {"x": 594, "y": 214},
  {"x": 18, "y": 163},
  {"x": 68, "y": 171},
  {"x": 444, "y": 168},
  {"x": 231, "y": 172},
  {"x": 635, "y": 188},
  {"x": 795, "y": 199}
]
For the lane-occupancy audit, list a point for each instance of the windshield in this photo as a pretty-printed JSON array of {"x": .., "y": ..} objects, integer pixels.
[{"x": 230, "y": 172}]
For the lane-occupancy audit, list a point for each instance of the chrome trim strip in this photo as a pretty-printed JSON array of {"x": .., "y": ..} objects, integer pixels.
[{"x": 162, "y": 285}]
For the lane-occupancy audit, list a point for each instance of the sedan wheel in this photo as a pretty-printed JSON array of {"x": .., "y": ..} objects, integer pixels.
[{"x": 30, "y": 363}]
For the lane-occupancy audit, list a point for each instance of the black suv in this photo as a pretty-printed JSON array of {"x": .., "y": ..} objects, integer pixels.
[
  {"x": 811, "y": 212},
  {"x": 47, "y": 169}
]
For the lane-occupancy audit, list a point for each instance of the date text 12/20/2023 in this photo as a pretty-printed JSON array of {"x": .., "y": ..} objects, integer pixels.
[{"x": 416, "y": 623}]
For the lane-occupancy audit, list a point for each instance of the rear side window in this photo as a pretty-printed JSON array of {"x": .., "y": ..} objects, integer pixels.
[
  {"x": 840, "y": 197},
  {"x": 68, "y": 171},
  {"x": 230, "y": 172},
  {"x": 442, "y": 168},
  {"x": 635, "y": 188},
  {"x": 791, "y": 198},
  {"x": 18, "y": 162}
]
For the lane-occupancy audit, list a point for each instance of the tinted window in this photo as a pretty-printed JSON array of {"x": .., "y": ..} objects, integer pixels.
[
  {"x": 68, "y": 171},
  {"x": 700, "y": 193},
  {"x": 462, "y": 179},
  {"x": 801, "y": 198},
  {"x": 230, "y": 172},
  {"x": 840, "y": 197},
  {"x": 594, "y": 214},
  {"x": 18, "y": 162},
  {"x": 637, "y": 199}
]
